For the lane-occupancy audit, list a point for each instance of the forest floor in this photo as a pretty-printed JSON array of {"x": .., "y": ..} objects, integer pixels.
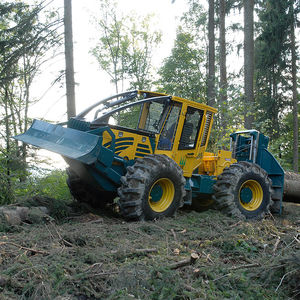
[{"x": 195, "y": 255}]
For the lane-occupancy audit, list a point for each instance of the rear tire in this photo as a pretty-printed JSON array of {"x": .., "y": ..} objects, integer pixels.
[
  {"x": 152, "y": 188},
  {"x": 243, "y": 191},
  {"x": 85, "y": 193}
]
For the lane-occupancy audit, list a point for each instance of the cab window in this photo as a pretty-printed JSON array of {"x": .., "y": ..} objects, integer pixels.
[
  {"x": 167, "y": 136},
  {"x": 191, "y": 128}
]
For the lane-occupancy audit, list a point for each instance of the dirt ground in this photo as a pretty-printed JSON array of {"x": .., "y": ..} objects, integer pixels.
[{"x": 195, "y": 255}]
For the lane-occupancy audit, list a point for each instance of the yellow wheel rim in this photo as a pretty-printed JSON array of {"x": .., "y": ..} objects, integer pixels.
[
  {"x": 251, "y": 195},
  {"x": 161, "y": 195}
]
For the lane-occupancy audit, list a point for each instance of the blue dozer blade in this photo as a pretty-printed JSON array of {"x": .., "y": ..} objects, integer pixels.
[{"x": 72, "y": 143}]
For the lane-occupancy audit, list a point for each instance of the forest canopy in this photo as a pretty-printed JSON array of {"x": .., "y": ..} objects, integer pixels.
[{"x": 262, "y": 93}]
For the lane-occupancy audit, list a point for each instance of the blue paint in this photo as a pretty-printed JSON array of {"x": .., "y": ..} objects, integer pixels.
[{"x": 246, "y": 195}]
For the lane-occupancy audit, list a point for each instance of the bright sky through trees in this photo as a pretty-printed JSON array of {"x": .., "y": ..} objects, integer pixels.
[{"x": 93, "y": 84}]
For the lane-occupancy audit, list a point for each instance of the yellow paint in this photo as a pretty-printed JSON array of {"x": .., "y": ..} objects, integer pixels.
[
  {"x": 257, "y": 195},
  {"x": 193, "y": 157},
  {"x": 144, "y": 115},
  {"x": 214, "y": 164},
  {"x": 162, "y": 201},
  {"x": 129, "y": 145}
]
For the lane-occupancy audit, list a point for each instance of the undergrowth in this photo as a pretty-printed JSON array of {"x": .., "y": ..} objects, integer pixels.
[{"x": 96, "y": 256}]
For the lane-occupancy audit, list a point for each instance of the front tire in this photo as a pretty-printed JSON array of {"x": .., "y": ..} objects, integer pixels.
[
  {"x": 152, "y": 188},
  {"x": 243, "y": 191}
]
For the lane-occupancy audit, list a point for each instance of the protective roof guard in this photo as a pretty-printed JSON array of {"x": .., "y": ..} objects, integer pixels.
[
  {"x": 126, "y": 96},
  {"x": 104, "y": 116},
  {"x": 114, "y": 100}
]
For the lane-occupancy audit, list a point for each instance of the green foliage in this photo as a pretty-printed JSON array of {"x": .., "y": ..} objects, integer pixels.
[
  {"x": 182, "y": 73},
  {"x": 27, "y": 34},
  {"x": 282, "y": 147},
  {"x": 12, "y": 171},
  {"x": 49, "y": 190},
  {"x": 125, "y": 47},
  {"x": 129, "y": 118},
  {"x": 51, "y": 185},
  {"x": 272, "y": 55}
]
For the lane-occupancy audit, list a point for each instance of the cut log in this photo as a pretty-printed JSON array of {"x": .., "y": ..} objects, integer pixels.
[
  {"x": 185, "y": 262},
  {"x": 291, "y": 187}
]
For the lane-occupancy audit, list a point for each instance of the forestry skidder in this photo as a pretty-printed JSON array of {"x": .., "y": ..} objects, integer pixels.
[{"x": 149, "y": 150}]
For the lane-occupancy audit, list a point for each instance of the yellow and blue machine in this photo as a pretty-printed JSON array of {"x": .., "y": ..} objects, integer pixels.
[{"x": 149, "y": 150}]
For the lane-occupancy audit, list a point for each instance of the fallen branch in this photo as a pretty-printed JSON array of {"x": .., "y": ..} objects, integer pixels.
[
  {"x": 61, "y": 239},
  {"x": 280, "y": 283},
  {"x": 208, "y": 257},
  {"x": 245, "y": 266},
  {"x": 221, "y": 277},
  {"x": 150, "y": 250},
  {"x": 276, "y": 245},
  {"x": 235, "y": 224},
  {"x": 101, "y": 274},
  {"x": 136, "y": 251},
  {"x": 189, "y": 261},
  {"x": 189, "y": 288},
  {"x": 174, "y": 234},
  {"x": 25, "y": 248}
]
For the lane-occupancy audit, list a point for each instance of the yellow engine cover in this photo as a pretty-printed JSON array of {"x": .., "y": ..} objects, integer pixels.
[{"x": 214, "y": 164}]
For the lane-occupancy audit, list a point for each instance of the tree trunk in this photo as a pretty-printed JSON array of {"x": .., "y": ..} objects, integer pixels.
[
  {"x": 8, "y": 148},
  {"x": 223, "y": 72},
  {"x": 211, "y": 54},
  {"x": 295, "y": 96},
  {"x": 70, "y": 82},
  {"x": 248, "y": 63}
]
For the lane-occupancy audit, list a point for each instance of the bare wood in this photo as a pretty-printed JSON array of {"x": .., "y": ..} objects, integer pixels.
[
  {"x": 283, "y": 279},
  {"x": 174, "y": 234},
  {"x": 208, "y": 257},
  {"x": 70, "y": 81},
  {"x": 149, "y": 250},
  {"x": 245, "y": 266},
  {"x": 104, "y": 274},
  {"x": 276, "y": 245},
  {"x": 61, "y": 239},
  {"x": 235, "y": 224},
  {"x": 24, "y": 248},
  {"x": 136, "y": 251},
  {"x": 189, "y": 261},
  {"x": 221, "y": 277},
  {"x": 189, "y": 288}
]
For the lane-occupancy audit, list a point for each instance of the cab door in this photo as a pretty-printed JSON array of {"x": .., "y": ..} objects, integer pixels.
[{"x": 196, "y": 124}]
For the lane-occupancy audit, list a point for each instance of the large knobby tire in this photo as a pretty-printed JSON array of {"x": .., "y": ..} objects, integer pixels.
[
  {"x": 243, "y": 191},
  {"x": 152, "y": 188},
  {"x": 85, "y": 193}
]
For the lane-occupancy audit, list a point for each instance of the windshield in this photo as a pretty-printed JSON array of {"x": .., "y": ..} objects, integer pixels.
[
  {"x": 146, "y": 116},
  {"x": 152, "y": 116}
]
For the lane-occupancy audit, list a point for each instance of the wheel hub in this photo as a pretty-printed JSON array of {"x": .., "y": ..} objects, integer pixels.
[
  {"x": 251, "y": 195},
  {"x": 246, "y": 195},
  {"x": 156, "y": 193},
  {"x": 161, "y": 195}
]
